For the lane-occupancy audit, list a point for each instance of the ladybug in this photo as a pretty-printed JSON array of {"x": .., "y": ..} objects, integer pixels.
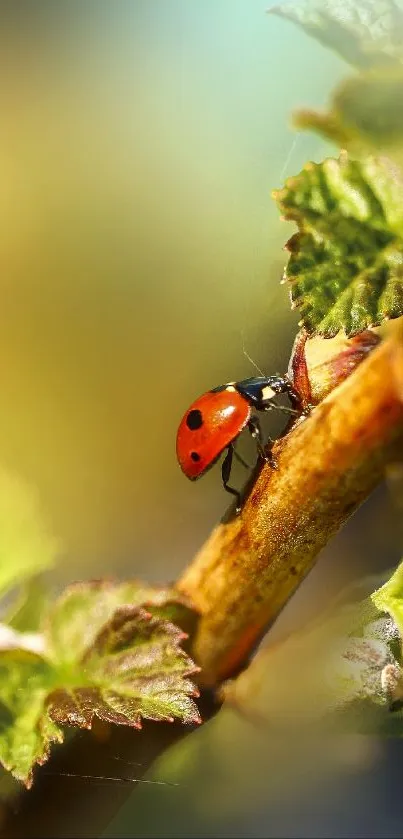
[{"x": 215, "y": 420}]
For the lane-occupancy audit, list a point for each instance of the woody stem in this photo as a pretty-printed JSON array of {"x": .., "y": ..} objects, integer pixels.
[{"x": 328, "y": 464}]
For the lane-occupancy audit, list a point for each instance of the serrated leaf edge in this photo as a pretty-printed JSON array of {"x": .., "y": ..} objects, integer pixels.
[{"x": 297, "y": 216}]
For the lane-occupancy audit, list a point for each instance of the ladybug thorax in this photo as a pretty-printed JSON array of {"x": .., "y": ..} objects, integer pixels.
[{"x": 210, "y": 424}]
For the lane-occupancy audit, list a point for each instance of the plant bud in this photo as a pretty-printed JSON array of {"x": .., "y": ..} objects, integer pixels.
[{"x": 317, "y": 365}]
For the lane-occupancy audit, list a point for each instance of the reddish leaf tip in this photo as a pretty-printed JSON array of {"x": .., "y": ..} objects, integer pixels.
[{"x": 195, "y": 692}]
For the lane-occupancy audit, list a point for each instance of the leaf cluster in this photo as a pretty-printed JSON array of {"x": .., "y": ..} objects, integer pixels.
[
  {"x": 345, "y": 271},
  {"x": 103, "y": 649}
]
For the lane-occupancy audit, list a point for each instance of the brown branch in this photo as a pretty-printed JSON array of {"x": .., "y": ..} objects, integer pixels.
[{"x": 328, "y": 464}]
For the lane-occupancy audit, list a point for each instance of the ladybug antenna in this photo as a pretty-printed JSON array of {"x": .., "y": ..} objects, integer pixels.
[{"x": 246, "y": 354}]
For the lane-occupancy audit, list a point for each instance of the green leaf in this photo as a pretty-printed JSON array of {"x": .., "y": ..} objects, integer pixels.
[
  {"x": 26, "y": 545},
  {"x": 389, "y": 598},
  {"x": 365, "y": 114},
  {"x": 366, "y": 34},
  {"x": 104, "y": 655},
  {"x": 27, "y": 611},
  {"x": 134, "y": 669},
  {"x": 345, "y": 270},
  {"x": 26, "y": 731},
  {"x": 84, "y": 608},
  {"x": 120, "y": 654}
]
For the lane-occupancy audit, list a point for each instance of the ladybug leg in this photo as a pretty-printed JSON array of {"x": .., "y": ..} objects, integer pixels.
[
  {"x": 284, "y": 408},
  {"x": 285, "y": 386},
  {"x": 282, "y": 385},
  {"x": 226, "y": 472},
  {"x": 241, "y": 460},
  {"x": 256, "y": 432},
  {"x": 293, "y": 395}
]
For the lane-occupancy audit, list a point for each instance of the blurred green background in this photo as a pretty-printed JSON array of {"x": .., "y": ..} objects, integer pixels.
[
  {"x": 140, "y": 142},
  {"x": 140, "y": 246}
]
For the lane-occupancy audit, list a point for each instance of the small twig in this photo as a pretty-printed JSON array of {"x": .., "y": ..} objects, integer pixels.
[{"x": 328, "y": 464}]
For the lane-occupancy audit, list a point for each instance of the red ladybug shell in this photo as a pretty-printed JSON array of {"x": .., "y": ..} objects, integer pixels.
[{"x": 210, "y": 424}]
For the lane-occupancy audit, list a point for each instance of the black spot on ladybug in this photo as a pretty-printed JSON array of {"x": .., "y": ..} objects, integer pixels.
[
  {"x": 194, "y": 419},
  {"x": 195, "y": 456}
]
